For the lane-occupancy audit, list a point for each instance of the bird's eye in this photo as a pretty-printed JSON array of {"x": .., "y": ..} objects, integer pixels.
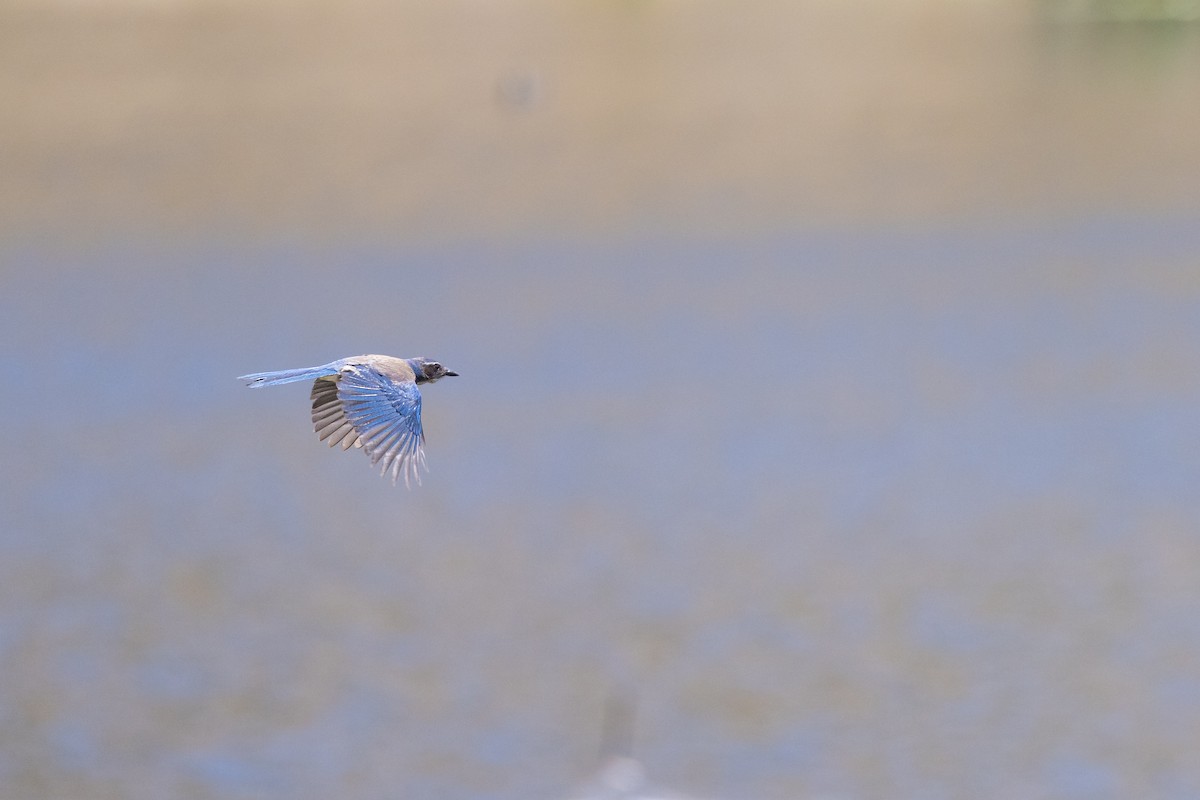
[{"x": 433, "y": 368}]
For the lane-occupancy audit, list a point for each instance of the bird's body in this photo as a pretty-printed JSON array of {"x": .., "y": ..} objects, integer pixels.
[{"x": 370, "y": 402}]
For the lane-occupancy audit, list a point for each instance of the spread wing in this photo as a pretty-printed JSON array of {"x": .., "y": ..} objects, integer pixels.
[
  {"x": 331, "y": 424},
  {"x": 384, "y": 418}
]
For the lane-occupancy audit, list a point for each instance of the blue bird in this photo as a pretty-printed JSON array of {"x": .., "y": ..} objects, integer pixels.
[{"x": 370, "y": 402}]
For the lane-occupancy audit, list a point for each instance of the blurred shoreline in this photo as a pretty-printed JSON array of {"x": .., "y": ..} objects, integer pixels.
[{"x": 430, "y": 120}]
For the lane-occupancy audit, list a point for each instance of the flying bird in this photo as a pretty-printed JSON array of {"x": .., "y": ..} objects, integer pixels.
[{"x": 370, "y": 402}]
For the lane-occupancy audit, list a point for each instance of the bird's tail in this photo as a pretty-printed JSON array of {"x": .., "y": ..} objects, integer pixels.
[{"x": 287, "y": 376}]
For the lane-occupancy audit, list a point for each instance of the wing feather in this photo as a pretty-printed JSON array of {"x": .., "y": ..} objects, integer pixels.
[
  {"x": 385, "y": 414},
  {"x": 328, "y": 420}
]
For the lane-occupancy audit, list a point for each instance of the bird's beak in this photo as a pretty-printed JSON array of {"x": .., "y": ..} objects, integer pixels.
[{"x": 451, "y": 374}]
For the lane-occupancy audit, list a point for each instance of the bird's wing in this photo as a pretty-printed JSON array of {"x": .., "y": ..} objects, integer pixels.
[
  {"x": 386, "y": 416},
  {"x": 330, "y": 423}
]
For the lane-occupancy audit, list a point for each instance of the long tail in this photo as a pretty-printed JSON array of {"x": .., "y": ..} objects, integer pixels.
[{"x": 289, "y": 375}]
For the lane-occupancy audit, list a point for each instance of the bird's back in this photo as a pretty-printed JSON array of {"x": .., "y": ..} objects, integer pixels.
[{"x": 397, "y": 369}]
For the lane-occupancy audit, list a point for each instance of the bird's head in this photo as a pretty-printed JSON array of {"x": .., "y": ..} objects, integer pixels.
[{"x": 427, "y": 371}]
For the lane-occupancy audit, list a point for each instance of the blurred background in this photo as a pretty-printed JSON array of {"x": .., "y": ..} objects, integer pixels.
[{"x": 829, "y": 388}]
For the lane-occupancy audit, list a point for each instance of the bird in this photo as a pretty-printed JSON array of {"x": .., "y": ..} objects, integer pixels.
[{"x": 371, "y": 402}]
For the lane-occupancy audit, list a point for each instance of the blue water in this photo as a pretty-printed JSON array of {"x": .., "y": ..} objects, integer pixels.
[{"x": 861, "y": 513}]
